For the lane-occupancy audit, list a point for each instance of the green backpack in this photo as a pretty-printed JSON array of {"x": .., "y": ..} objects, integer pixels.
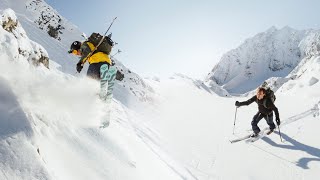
[{"x": 105, "y": 46}]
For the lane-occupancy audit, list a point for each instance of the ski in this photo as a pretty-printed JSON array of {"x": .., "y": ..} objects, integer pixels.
[
  {"x": 107, "y": 80},
  {"x": 262, "y": 134},
  {"x": 240, "y": 139},
  {"x": 269, "y": 132},
  {"x": 254, "y": 139},
  {"x": 248, "y": 137}
]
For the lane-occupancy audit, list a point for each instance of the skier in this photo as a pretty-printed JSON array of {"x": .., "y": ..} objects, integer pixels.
[
  {"x": 96, "y": 60},
  {"x": 265, "y": 110},
  {"x": 101, "y": 68}
]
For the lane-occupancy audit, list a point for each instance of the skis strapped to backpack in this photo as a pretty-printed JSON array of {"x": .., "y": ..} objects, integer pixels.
[
  {"x": 100, "y": 42},
  {"x": 106, "y": 44}
]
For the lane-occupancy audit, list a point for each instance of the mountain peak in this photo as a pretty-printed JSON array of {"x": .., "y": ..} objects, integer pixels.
[
  {"x": 271, "y": 29},
  {"x": 273, "y": 53}
]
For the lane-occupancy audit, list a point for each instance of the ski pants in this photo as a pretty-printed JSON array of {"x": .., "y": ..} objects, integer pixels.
[
  {"x": 258, "y": 117},
  {"x": 94, "y": 70}
]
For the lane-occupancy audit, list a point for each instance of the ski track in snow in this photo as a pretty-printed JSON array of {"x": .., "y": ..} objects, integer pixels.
[
  {"x": 148, "y": 137},
  {"x": 297, "y": 117},
  {"x": 294, "y": 144}
]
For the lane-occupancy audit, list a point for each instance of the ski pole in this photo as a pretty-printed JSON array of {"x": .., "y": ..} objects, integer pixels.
[
  {"x": 119, "y": 51},
  {"x": 235, "y": 117},
  {"x": 110, "y": 26},
  {"x": 104, "y": 36},
  {"x": 280, "y": 133}
]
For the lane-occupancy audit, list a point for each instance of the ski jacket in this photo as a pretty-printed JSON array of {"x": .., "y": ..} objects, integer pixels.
[
  {"x": 262, "y": 109},
  {"x": 86, "y": 48}
]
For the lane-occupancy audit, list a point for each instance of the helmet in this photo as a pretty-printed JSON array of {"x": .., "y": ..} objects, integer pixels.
[{"x": 75, "y": 46}]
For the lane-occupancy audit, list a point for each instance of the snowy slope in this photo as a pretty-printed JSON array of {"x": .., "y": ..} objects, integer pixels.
[
  {"x": 31, "y": 12},
  {"x": 49, "y": 126},
  {"x": 274, "y": 53},
  {"x": 49, "y": 133},
  {"x": 196, "y": 126}
]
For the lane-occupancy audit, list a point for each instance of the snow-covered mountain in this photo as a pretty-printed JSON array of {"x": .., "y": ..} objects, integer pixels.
[
  {"x": 214, "y": 88},
  {"x": 39, "y": 20},
  {"x": 274, "y": 53},
  {"x": 47, "y": 18}
]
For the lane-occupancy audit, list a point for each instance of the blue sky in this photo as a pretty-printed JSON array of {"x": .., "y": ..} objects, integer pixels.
[{"x": 162, "y": 37}]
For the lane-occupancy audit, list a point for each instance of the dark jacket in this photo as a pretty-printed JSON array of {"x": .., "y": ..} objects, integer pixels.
[{"x": 262, "y": 109}]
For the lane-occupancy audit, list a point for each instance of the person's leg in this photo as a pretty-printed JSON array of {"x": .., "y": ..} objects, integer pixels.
[
  {"x": 103, "y": 81},
  {"x": 269, "y": 119},
  {"x": 94, "y": 71},
  {"x": 254, "y": 123},
  {"x": 111, "y": 81}
]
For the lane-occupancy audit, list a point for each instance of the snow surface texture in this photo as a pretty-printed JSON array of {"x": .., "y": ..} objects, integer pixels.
[{"x": 274, "y": 53}]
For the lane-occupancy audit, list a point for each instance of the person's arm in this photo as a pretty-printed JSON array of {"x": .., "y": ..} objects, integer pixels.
[
  {"x": 275, "y": 110},
  {"x": 249, "y": 101},
  {"x": 85, "y": 50},
  {"x": 246, "y": 103}
]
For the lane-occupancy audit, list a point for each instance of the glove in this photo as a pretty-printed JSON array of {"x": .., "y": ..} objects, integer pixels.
[
  {"x": 79, "y": 67},
  {"x": 278, "y": 121},
  {"x": 237, "y": 104}
]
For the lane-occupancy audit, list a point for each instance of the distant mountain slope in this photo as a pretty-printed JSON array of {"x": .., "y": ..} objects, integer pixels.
[{"x": 274, "y": 53}]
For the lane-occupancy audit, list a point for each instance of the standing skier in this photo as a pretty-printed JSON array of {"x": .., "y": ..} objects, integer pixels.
[{"x": 265, "y": 110}]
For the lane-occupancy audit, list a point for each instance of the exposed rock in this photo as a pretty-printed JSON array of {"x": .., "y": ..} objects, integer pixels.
[
  {"x": 9, "y": 25},
  {"x": 21, "y": 47}
]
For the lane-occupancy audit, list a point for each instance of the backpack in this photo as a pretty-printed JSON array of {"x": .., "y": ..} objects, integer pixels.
[
  {"x": 270, "y": 95},
  {"x": 105, "y": 46}
]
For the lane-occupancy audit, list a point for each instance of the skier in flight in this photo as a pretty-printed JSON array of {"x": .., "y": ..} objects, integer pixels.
[
  {"x": 266, "y": 108},
  {"x": 101, "y": 68}
]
